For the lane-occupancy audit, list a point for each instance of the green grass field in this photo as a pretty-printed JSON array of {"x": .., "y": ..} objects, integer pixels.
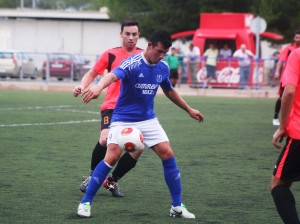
[{"x": 46, "y": 141}]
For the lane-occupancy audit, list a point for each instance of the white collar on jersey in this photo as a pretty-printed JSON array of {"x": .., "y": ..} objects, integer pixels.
[{"x": 144, "y": 59}]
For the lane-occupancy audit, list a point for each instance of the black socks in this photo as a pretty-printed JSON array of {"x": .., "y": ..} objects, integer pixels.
[
  {"x": 125, "y": 164},
  {"x": 285, "y": 204},
  {"x": 277, "y": 108},
  {"x": 98, "y": 155}
]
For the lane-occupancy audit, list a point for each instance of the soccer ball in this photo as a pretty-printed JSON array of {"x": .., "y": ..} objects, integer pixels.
[{"x": 130, "y": 139}]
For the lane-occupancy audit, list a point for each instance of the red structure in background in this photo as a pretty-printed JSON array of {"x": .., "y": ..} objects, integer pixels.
[{"x": 232, "y": 29}]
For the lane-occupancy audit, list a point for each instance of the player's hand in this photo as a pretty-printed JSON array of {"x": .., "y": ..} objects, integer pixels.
[
  {"x": 89, "y": 94},
  {"x": 196, "y": 114},
  {"x": 276, "y": 75},
  {"x": 77, "y": 91},
  {"x": 278, "y": 137}
]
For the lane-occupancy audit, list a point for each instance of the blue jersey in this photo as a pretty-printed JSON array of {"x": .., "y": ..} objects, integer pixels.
[{"x": 139, "y": 83}]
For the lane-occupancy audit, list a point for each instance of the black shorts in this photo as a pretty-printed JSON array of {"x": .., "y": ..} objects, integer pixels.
[
  {"x": 288, "y": 165},
  {"x": 105, "y": 119},
  {"x": 280, "y": 90},
  {"x": 173, "y": 74}
]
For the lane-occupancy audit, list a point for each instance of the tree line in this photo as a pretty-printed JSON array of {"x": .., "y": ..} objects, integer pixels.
[{"x": 282, "y": 16}]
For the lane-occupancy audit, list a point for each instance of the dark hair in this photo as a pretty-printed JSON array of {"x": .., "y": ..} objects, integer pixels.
[
  {"x": 129, "y": 22},
  {"x": 296, "y": 32},
  {"x": 161, "y": 36}
]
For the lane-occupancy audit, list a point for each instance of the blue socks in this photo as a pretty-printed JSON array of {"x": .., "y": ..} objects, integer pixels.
[
  {"x": 172, "y": 178},
  {"x": 99, "y": 175},
  {"x": 171, "y": 174}
]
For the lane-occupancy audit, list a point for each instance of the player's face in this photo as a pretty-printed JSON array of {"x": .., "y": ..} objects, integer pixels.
[
  {"x": 130, "y": 36},
  {"x": 297, "y": 39},
  {"x": 156, "y": 53}
]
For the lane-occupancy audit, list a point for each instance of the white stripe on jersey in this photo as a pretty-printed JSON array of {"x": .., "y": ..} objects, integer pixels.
[
  {"x": 166, "y": 63},
  {"x": 134, "y": 59}
]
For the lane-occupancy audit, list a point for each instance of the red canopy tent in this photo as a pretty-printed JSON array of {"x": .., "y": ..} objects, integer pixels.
[
  {"x": 235, "y": 26},
  {"x": 233, "y": 29}
]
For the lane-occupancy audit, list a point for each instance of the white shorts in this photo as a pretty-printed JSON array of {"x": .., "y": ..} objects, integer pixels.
[{"x": 151, "y": 129}]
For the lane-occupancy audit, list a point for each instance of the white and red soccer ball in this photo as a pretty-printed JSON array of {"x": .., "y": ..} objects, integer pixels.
[{"x": 130, "y": 139}]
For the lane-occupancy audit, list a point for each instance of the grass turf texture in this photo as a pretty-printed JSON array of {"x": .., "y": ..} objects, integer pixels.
[{"x": 225, "y": 162}]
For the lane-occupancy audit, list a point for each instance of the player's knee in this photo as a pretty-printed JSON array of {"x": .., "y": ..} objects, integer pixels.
[
  {"x": 271, "y": 187},
  {"x": 136, "y": 155},
  {"x": 276, "y": 182},
  {"x": 112, "y": 155},
  {"x": 103, "y": 137},
  {"x": 273, "y": 183},
  {"x": 166, "y": 154},
  {"x": 103, "y": 142}
]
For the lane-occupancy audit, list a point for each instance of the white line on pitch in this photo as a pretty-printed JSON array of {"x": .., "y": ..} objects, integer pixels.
[
  {"x": 57, "y": 108},
  {"x": 78, "y": 111},
  {"x": 52, "y": 123},
  {"x": 36, "y": 107}
]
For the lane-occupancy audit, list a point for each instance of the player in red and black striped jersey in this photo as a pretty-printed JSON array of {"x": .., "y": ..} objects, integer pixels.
[
  {"x": 287, "y": 168},
  {"x": 106, "y": 62},
  {"x": 283, "y": 57}
]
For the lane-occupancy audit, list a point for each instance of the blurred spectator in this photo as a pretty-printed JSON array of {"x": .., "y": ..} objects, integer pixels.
[
  {"x": 275, "y": 57},
  {"x": 174, "y": 65},
  {"x": 193, "y": 60},
  {"x": 211, "y": 55},
  {"x": 225, "y": 52},
  {"x": 244, "y": 59},
  {"x": 182, "y": 64}
]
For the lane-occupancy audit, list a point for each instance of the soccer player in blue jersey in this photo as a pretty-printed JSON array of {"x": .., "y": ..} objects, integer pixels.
[{"x": 141, "y": 75}]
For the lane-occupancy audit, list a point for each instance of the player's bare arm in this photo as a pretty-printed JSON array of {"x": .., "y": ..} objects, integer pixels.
[
  {"x": 277, "y": 70},
  {"x": 95, "y": 91},
  {"x": 179, "y": 101},
  {"x": 86, "y": 80},
  {"x": 287, "y": 101}
]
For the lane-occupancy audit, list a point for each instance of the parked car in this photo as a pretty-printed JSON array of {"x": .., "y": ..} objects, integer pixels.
[
  {"x": 12, "y": 63},
  {"x": 63, "y": 65}
]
